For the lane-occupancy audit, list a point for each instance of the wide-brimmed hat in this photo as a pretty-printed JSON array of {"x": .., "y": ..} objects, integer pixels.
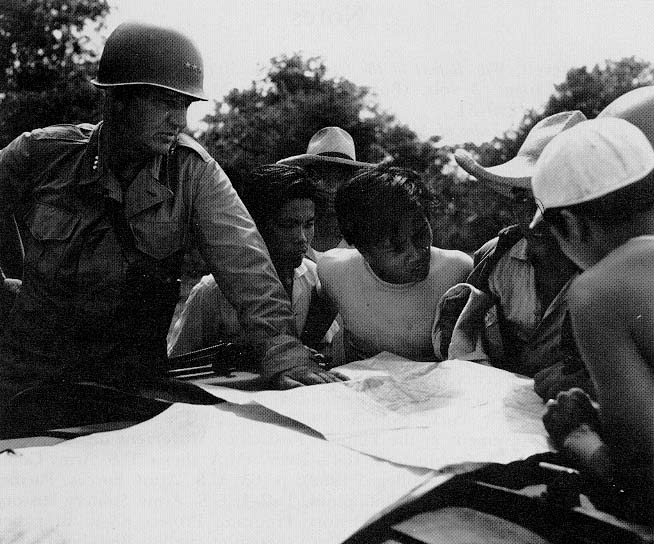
[
  {"x": 330, "y": 145},
  {"x": 517, "y": 172}
]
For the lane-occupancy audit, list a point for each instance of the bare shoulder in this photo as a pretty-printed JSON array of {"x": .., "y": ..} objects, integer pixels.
[
  {"x": 622, "y": 279},
  {"x": 335, "y": 261},
  {"x": 452, "y": 260},
  {"x": 612, "y": 305}
]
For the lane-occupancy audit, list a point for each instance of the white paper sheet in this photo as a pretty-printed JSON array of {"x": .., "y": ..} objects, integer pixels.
[
  {"x": 197, "y": 474},
  {"x": 431, "y": 415}
]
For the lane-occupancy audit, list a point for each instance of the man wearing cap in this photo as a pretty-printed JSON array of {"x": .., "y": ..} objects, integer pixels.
[
  {"x": 331, "y": 158},
  {"x": 637, "y": 107},
  {"x": 107, "y": 211},
  {"x": 522, "y": 278},
  {"x": 595, "y": 188}
]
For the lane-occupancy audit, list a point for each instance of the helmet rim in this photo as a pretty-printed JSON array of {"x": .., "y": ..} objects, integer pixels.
[{"x": 142, "y": 54}]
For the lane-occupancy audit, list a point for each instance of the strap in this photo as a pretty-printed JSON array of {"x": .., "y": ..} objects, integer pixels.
[
  {"x": 489, "y": 257},
  {"x": 223, "y": 358},
  {"x": 486, "y": 260},
  {"x": 116, "y": 214},
  {"x": 153, "y": 285},
  {"x": 170, "y": 169}
]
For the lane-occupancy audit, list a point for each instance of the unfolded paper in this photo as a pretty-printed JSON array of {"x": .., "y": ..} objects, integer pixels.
[
  {"x": 198, "y": 474},
  {"x": 431, "y": 415}
]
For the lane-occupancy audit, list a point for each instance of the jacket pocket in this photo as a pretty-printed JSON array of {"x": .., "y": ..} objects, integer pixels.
[
  {"x": 51, "y": 223},
  {"x": 159, "y": 239},
  {"x": 52, "y": 232}
]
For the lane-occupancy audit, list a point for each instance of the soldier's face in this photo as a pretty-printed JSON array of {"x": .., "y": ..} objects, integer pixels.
[{"x": 153, "y": 118}]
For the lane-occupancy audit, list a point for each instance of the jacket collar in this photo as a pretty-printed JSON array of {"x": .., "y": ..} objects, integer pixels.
[
  {"x": 145, "y": 190},
  {"x": 519, "y": 250}
]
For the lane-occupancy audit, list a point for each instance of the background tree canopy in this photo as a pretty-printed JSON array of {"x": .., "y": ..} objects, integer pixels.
[
  {"x": 587, "y": 91},
  {"x": 46, "y": 58},
  {"x": 276, "y": 116}
]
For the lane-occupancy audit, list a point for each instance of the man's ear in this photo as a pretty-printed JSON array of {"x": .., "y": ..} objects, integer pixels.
[
  {"x": 574, "y": 228},
  {"x": 114, "y": 102}
]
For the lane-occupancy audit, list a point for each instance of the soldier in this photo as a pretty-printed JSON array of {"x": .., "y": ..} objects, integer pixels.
[{"x": 107, "y": 212}]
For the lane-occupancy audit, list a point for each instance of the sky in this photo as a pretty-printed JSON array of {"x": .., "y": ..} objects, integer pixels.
[{"x": 465, "y": 70}]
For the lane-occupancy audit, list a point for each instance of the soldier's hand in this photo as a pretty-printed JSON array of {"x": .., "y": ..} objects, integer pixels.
[{"x": 306, "y": 375}]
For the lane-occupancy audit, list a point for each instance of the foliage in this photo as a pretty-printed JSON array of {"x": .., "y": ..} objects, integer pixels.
[
  {"x": 478, "y": 208},
  {"x": 590, "y": 92},
  {"x": 276, "y": 116},
  {"x": 45, "y": 56}
]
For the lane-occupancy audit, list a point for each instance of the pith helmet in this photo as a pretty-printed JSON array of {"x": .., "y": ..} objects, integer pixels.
[{"x": 143, "y": 54}]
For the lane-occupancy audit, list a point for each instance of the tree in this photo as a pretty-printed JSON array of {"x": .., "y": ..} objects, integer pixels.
[
  {"x": 587, "y": 91},
  {"x": 276, "y": 116},
  {"x": 591, "y": 91},
  {"x": 46, "y": 55},
  {"x": 479, "y": 210}
]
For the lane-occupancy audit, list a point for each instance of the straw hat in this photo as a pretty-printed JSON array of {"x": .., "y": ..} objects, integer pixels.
[
  {"x": 518, "y": 171},
  {"x": 330, "y": 145}
]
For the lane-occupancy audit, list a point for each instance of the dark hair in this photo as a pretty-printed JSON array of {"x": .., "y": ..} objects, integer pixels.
[
  {"x": 610, "y": 210},
  {"x": 371, "y": 206},
  {"x": 267, "y": 188}
]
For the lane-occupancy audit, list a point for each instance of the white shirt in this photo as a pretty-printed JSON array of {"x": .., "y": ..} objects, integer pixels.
[
  {"x": 207, "y": 317},
  {"x": 513, "y": 281},
  {"x": 381, "y": 316}
]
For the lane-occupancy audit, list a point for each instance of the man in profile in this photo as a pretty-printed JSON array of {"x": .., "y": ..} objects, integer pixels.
[
  {"x": 107, "y": 212},
  {"x": 596, "y": 188},
  {"x": 517, "y": 310}
]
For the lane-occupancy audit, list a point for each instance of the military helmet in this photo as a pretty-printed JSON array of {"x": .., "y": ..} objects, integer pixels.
[{"x": 143, "y": 54}]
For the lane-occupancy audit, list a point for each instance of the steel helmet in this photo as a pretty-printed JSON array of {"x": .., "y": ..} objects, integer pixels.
[
  {"x": 143, "y": 54},
  {"x": 637, "y": 107}
]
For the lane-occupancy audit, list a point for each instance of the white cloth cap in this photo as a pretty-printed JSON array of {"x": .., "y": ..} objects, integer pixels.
[{"x": 590, "y": 160}]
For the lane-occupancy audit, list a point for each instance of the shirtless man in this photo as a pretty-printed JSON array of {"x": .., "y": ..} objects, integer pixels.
[{"x": 595, "y": 183}]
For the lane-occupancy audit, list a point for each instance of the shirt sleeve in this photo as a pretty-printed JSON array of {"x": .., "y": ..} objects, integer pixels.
[
  {"x": 192, "y": 330},
  {"x": 20, "y": 162},
  {"x": 16, "y": 181},
  {"x": 13, "y": 161},
  {"x": 239, "y": 261}
]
